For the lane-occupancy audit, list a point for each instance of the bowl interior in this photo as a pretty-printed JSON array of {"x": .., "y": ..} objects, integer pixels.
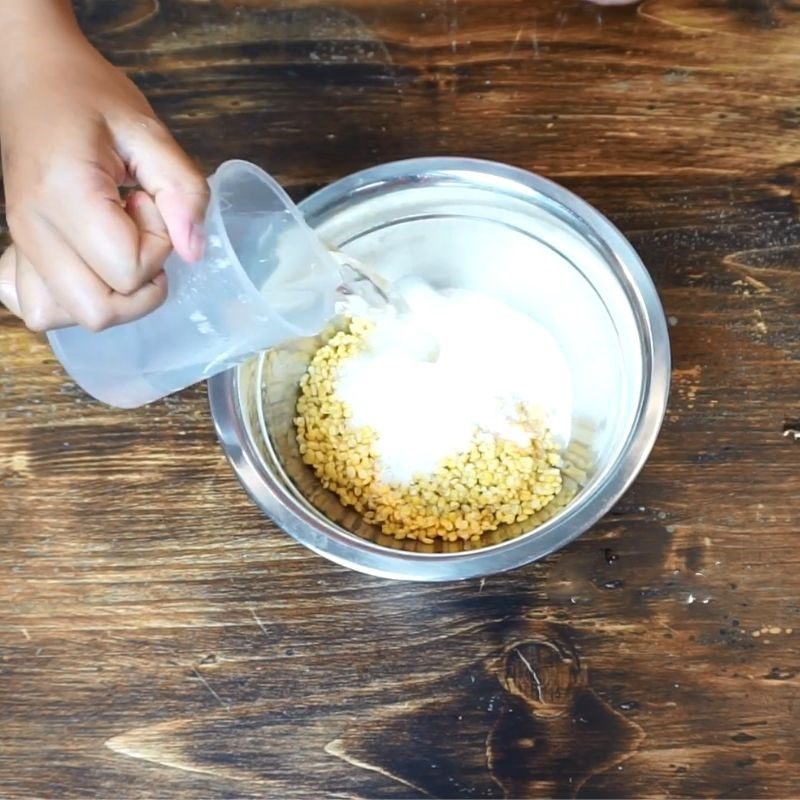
[{"x": 520, "y": 246}]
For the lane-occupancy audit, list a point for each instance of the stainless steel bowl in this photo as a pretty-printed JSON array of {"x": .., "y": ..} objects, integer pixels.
[{"x": 496, "y": 229}]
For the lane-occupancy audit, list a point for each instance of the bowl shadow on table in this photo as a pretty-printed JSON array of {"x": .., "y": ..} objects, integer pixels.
[{"x": 269, "y": 390}]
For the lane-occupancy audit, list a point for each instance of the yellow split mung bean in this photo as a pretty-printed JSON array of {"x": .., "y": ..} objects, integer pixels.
[{"x": 493, "y": 482}]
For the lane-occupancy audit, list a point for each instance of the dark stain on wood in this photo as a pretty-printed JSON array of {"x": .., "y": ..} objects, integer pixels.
[{"x": 159, "y": 637}]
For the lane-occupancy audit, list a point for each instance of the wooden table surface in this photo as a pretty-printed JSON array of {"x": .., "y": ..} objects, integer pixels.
[{"x": 160, "y": 638}]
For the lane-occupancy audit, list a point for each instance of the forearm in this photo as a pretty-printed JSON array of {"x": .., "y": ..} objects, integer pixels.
[
  {"x": 34, "y": 32},
  {"x": 23, "y": 21},
  {"x": 41, "y": 43}
]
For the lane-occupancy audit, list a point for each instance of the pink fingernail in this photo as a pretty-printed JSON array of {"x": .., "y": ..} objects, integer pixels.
[{"x": 197, "y": 242}]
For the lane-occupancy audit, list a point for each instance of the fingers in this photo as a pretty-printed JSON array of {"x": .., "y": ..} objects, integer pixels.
[
  {"x": 168, "y": 175},
  {"x": 78, "y": 290},
  {"x": 36, "y": 305},
  {"x": 68, "y": 292},
  {"x": 97, "y": 263},
  {"x": 154, "y": 242},
  {"x": 23, "y": 292},
  {"x": 27, "y": 295},
  {"x": 108, "y": 236}
]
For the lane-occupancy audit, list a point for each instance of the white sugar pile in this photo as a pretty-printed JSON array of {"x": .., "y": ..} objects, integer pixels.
[{"x": 445, "y": 365}]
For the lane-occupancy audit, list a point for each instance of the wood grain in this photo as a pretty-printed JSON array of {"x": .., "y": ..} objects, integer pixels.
[{"x": 158, "y": 637}]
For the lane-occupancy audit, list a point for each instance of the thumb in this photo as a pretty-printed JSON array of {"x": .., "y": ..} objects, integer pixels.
[{"x": 176, "y": 185}]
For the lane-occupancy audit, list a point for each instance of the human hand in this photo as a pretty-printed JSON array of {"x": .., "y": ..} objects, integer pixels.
[{"x": 73, "y": 131}]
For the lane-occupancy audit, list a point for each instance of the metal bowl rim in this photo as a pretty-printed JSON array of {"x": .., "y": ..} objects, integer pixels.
[{"x": 366, "y": 556}]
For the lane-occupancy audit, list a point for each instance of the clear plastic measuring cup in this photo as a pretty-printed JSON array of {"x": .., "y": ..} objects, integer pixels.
[{"x": 265, "y": 278}]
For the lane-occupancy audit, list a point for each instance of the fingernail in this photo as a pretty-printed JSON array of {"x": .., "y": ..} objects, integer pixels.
[{"x": 197, "y": 242}]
